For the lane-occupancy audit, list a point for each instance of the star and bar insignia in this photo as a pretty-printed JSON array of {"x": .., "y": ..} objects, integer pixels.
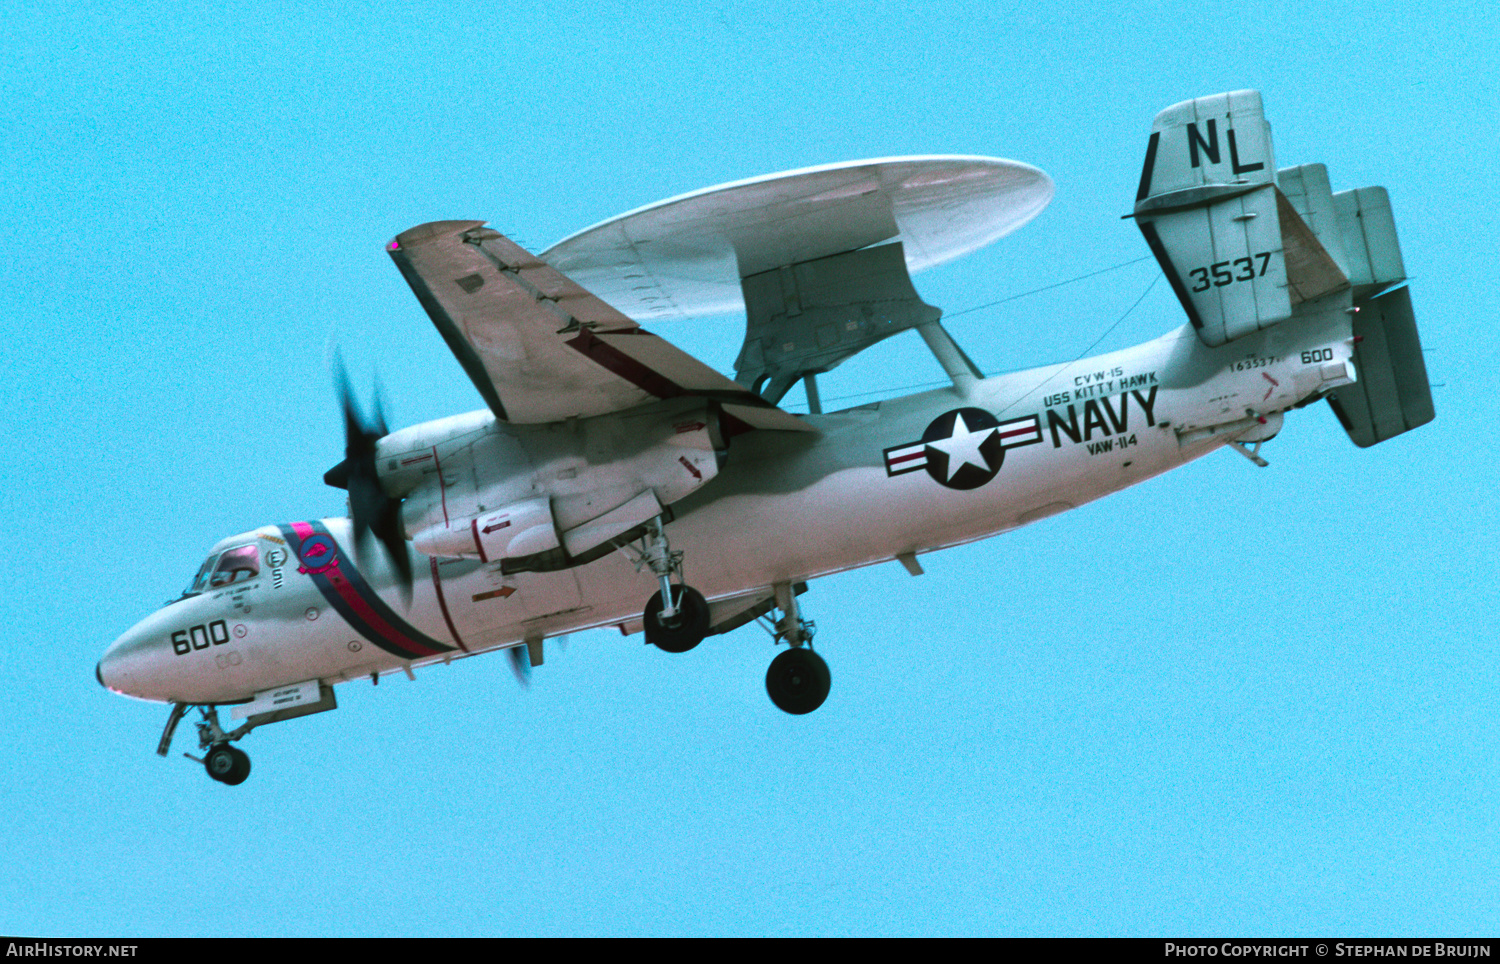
[{"x": 964, "y": 448}]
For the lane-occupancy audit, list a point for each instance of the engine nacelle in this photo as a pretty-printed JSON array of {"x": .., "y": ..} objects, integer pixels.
[
  {"x": 565, "y": 491},
  {"x": 517, "y": 530}
]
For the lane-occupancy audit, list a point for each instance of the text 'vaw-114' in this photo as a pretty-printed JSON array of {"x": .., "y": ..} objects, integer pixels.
[{"x": 607, "y": 463}]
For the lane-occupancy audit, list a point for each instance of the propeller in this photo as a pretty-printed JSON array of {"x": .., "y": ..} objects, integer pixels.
[
  {"x": 520, "y": 664},
  {"x": 371, "y": 510}
]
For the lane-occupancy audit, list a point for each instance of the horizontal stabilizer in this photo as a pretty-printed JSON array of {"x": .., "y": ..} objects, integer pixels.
[{"x": 1392, "y": 395}]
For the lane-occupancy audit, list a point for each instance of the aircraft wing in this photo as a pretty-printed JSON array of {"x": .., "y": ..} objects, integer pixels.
[{"x": 542, "y": 349}]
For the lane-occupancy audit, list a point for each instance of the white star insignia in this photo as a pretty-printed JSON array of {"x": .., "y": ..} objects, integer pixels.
[{"x": 962, "y": 447}]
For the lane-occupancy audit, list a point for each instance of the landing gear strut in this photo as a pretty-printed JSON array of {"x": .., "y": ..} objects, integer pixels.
[
  {"x": 228, "y": 764},
  {"x": 676, "y": 618},
  {"x": 798, "y": 680},
  {"x": 225, "y": 763}
]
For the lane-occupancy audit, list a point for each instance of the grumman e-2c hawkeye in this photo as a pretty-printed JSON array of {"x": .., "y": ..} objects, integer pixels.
[{"x": 608, "y": 463}]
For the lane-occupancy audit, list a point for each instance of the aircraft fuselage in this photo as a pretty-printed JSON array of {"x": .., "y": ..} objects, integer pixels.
[{"x": 907, "y": 475}]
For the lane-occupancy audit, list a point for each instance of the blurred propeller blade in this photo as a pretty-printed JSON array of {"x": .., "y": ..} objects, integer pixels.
[
  {"x": 370, "y": 509},
  {"x": 520, "y": 664}
]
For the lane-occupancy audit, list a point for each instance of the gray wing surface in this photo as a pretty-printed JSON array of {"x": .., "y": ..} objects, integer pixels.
[{"x": 540, "y": 348}]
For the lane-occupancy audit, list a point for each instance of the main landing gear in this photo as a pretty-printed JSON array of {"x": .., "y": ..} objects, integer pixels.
[
  {"x": 225, "y": 763},
  {"x": 687, "y": 625},
  {"x": 676, "y": 618},
  {"x": 798, "y": 680}
]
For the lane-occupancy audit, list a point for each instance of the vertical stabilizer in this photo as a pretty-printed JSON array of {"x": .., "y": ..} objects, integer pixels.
[
  {"x": 1392, "y": 395},
  {"x": 1208, "y": 207},
  {"x": 1369, "y": 231},
  {"x": 1246, "y": 247}
]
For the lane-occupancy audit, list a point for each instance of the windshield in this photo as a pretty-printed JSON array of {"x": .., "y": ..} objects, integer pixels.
[
  {"x": 240, "y": 564},
  {"x": 199, "y": 581}
]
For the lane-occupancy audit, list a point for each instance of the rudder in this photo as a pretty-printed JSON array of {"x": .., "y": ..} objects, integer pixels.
[{"x": 1392, "y": 394}]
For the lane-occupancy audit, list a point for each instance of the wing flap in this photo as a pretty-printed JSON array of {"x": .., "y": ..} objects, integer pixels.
[
  {"x": 660, "y": 368},
  {"x": 538, "y": 346}
]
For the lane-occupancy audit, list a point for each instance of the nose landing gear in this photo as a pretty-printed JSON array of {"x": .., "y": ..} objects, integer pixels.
[{"x": 227, "y": 764}]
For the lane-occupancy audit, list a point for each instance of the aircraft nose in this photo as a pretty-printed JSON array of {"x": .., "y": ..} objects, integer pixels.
[
  {"x": 144, "y": 664},
  {"x": 130, "y": 662},
  {"x": 107, "y": 670}
]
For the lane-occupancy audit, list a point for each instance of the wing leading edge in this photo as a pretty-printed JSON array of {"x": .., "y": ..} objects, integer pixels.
[{"x": 538, "y": 347}]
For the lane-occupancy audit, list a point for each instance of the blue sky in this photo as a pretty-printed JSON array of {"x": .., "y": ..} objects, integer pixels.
[{"x": 1229, "y": 700}]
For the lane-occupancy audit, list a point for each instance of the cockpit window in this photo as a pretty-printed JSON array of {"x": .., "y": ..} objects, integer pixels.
[
  {"x": 236, "y": 565},
  {"x": 239, "y": 564},
  {"x": 200, "y": 580}
]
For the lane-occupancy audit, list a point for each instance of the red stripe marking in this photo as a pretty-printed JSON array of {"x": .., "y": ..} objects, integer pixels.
[
  {"x": 609, "y": 357},
  {"x": 437, "y": 583},
  {"x": 474, "y": 528},
  {"x": 442, "y": 489},
  {"x": 1028, "y": 430},
  {"x": 344, "y": 589},
  {"x": 358, "y": 604},
  {"x": 895, "y": 459}
]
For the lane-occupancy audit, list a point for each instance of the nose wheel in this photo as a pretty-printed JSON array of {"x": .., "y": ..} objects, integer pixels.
[
  {"x": 227, "y": 764},
  {"x": 224, "y": 763}
]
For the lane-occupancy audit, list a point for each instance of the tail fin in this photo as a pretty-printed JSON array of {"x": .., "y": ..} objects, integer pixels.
[
  {"x": 1358, "y": 233},
  {"x": 1392, "y": 395},
  {"x": 1207, "y": 205},
  {"x": 1244, "y": 245}
]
